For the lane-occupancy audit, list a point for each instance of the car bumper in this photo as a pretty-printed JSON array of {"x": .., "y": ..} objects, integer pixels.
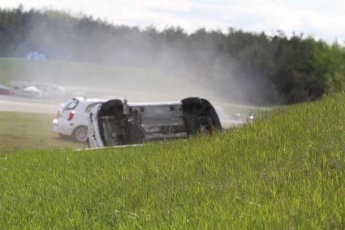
[{"x": 62, "y": 127}]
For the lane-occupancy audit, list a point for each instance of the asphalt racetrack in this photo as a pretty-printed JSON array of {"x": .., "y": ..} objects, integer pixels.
[{"x": 14, "y": 104}]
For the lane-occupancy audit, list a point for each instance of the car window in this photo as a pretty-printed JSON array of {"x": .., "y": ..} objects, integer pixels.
[
  {"x": 71, "y": 104},
  {"x": 89, "y": 107}
]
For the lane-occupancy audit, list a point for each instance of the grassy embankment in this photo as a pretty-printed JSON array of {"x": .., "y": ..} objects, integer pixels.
[{"x": 283, "y": 172}]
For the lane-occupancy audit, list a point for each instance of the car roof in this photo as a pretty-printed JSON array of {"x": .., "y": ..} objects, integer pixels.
[
  {"x": 86, "y": 102},
  {"x": 84, "y": 99},
  {"x": 83, "y": 103},
  {"x": 94, "y": 100}
]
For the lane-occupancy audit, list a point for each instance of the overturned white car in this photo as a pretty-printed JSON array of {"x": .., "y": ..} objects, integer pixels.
[{"x": 117, "y": 122}]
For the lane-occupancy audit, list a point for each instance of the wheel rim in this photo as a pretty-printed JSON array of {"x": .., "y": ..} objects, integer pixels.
[
  {"x": 204, "y": 125},
  {"x": 81, "y": 134}
]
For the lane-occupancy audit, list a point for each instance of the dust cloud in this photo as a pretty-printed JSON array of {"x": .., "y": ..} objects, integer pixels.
[{"x": 140, "y": 68}]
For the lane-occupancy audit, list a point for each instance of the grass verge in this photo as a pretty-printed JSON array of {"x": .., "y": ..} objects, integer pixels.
[{"x": 26, "y": 131}]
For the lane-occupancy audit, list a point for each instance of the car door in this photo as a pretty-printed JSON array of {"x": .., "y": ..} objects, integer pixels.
[{"x": 94, "y": 137}]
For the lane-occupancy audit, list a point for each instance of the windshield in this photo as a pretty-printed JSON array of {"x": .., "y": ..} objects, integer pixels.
[{"x": 71, "y": 104}]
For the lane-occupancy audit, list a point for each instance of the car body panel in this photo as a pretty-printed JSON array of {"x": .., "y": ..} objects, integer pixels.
[{"x": 4, "y": 90}]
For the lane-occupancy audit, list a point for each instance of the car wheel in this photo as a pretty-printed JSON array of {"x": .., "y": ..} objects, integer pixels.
[{"x": 80, "y": 134}]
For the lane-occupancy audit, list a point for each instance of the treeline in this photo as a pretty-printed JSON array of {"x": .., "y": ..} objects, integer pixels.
[{"x": 269, "y": 69}]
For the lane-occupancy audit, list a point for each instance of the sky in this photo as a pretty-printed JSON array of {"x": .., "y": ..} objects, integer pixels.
[{"x": 321, "y": 19}]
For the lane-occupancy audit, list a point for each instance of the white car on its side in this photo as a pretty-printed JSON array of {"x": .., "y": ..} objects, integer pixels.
[
  {"x": 73, "y": 118},
  {"x": 119, "y": 123}
]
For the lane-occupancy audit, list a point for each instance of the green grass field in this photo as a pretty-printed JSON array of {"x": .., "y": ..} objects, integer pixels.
[
  {"x": 285, "y": 171},
  {"x": 74, "y": 74},
  {"x": 60, "y": 72},
  {"x": 24, "y": 131}
]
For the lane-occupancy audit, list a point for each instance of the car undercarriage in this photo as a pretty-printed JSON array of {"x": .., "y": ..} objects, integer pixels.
[{"x": 117, "y": 122}]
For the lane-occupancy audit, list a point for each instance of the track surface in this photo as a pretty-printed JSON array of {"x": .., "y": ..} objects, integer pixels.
[{"x": 22, "y": 105}]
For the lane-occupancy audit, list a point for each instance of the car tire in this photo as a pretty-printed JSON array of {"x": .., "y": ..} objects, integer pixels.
[{"x": 80, "y": 134}]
